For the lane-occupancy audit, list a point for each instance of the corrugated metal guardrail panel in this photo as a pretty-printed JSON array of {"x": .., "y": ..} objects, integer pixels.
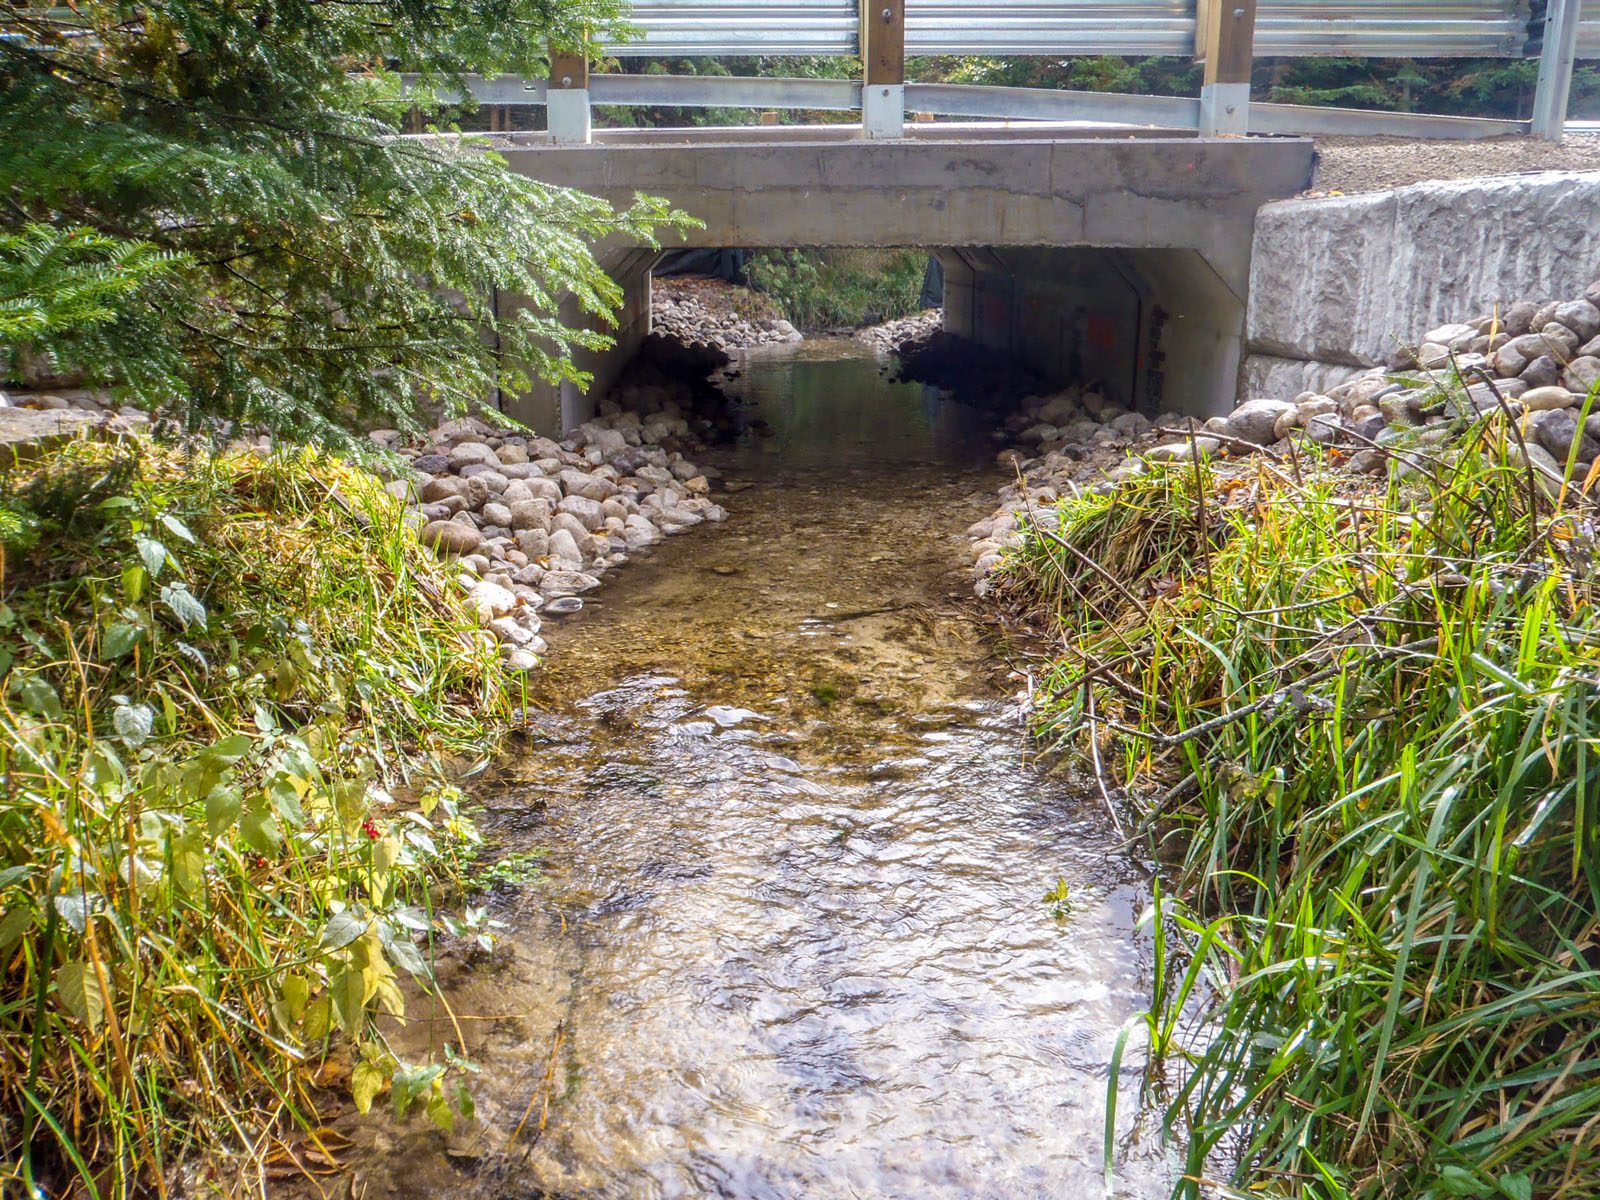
[
  {"x": 1050, "y": 27},
  {"x": 1380, "y": 28},
  {"x": 1412, "y": 28},
  {"x": 738, "y": 27},
  {"x": 1589, "y": 30}
]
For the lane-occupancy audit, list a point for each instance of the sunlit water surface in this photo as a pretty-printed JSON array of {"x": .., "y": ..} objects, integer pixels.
[{"x": 790, "y": 939}]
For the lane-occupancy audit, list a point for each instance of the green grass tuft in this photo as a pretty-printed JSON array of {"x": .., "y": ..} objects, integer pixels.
[{"x": 1362, "y": 719}]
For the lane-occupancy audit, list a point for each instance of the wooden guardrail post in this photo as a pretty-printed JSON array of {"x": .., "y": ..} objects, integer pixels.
[
  {"x": 883, "y": 55},
  {"x": 567, "y": 98},
  {"x": 1555, "y": 69},
  {"x": 1225, "y": 38}
]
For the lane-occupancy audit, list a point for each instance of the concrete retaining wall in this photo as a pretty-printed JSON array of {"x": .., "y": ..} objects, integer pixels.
[{"x": 1337, "y": 284}]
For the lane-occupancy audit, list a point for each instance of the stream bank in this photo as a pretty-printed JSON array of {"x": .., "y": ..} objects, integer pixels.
[{"x": 1342, "y": 651}]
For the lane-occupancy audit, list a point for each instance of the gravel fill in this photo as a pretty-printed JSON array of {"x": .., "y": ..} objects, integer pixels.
[{"x": 1371, "y": 164}]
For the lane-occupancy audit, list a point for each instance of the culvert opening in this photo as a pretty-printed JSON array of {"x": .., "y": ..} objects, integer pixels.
[{"x": 1152, "y": 330}]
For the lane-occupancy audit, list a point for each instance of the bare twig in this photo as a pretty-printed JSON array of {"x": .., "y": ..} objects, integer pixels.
[
  {"x": 1094, "y": 757},
  {"x": 1272, "y": 699},
  {"x": 1228, "y": 440}
]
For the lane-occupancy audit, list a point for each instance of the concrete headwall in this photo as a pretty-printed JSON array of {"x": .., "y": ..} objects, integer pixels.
[
  {"x": 1338, "y": 284},
  {"x": 551, "y": 408}
]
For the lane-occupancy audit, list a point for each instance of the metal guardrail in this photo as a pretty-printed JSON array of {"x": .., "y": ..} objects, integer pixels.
[
  {"x": 1037, "y": 104},
  {"x": 1134, "y": 27},
  {"x": 1380, "y": 29},
  {"x": 725, "y": 91},
  {"x": 1024, "y": 105},
  {"x": 742, "y": 27},
  {"x": 892, "y": 28},
  {"x": 1177, "y": 112},
  {"x": 1308, "y": 120},
  {"x": 1589, "y": 30},
  {"x": 1288, "y": 28}
]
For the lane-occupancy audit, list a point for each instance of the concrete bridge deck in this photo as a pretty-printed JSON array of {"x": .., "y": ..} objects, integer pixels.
[{"x": 1124, "y": 258}]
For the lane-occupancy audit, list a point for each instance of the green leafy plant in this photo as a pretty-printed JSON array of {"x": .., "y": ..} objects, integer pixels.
[
  {"x": 59, "y": 286},
  {"x": 319, "y": 271},
  {"x": 1059, "y": 900},
  {"x": 510, "y": 870},
  {"x": 824, "y": 289},
  {"x": 230, "y": 689}
]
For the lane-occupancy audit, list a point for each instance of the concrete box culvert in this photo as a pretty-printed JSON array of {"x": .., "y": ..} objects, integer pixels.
[{"x": 1126, "y": 257}]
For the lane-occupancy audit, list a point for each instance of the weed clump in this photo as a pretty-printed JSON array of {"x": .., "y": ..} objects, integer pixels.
[
  {"x": 230, "y": 689},
  {"x": 1361, "y": 718}
]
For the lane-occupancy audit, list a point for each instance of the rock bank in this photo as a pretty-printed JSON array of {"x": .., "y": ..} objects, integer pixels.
[
  {"x": 1058, "y": 443},
  {"x": 716, "y": 316},
  {"x": 535, "y": 523},
  {"x": 1532, "y": 366},
  {"x": 903, "y": 335},
  {"x": 1534, "y": 363}
]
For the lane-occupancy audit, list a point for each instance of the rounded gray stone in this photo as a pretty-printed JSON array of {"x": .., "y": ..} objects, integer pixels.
[{"x": 451, "y": 539}]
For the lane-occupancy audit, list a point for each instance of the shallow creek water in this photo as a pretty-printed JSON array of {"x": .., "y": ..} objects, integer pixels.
[{"x": 790, "y": 937}]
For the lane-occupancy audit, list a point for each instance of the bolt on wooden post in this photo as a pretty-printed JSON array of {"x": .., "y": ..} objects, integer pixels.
[
  {"x": 1225, "y": 34},
  {"x": 567, "y": 97},
  {"x": 883, "y": 55}
]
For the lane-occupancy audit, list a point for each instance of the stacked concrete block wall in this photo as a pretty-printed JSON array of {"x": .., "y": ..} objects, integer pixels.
[{"x": 1338, "y": 284}]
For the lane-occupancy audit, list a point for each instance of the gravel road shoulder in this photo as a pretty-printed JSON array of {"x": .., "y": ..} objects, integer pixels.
[{"x": 1370, "y": 164}]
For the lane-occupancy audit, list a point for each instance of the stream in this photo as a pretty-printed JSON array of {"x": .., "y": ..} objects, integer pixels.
[{"x": 790, "y": 936}]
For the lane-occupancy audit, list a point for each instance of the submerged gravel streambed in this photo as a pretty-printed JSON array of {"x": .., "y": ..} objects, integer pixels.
[{"x": 790, "y": 938}]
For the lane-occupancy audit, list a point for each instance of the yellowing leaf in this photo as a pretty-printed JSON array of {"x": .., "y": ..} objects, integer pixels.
[
  {"x": 133, "y": 581},
  {"x": 294, "y": 995},
  {"x": 439, "y": 1113},
  {"x": 189, "y": 863},
  {"x": 318, "y": 1018},
  {"x": 366, "y": 1083},
  {"x": 349, "y": 993},
  {"x": 79, "y": 993}
]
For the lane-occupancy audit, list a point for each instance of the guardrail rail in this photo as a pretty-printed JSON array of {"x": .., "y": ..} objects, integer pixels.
[{"x": 1225, "y": 35}]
